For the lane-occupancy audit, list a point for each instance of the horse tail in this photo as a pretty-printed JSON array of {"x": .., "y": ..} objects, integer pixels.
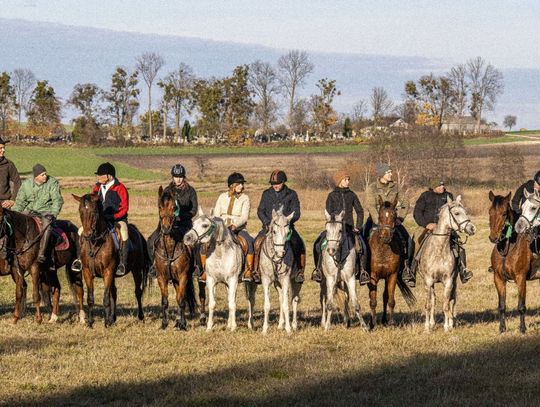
[
  {"x": 190, "y": 296},
  {"x": 406, "y": 292}
]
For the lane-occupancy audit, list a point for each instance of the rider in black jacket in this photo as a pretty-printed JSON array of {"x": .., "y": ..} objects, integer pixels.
[
  {"x": 529, "y": 186},
  {"x": 279, "y": 196}
]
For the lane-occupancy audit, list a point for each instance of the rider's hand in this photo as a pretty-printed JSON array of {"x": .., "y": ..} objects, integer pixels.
[
  {"x": 431, "y": 226},
  {"x": 232, "y": 227},
  {"x": 7, "y": 204},
  {"x": 356, "y": 230},
  {"x": 398, "y": 221}
]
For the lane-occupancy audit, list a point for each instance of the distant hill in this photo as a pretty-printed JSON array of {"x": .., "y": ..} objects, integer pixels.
[{"x": 66, "y": 55}]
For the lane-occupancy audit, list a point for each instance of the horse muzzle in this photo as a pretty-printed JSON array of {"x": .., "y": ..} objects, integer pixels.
[{"x": 470, "y": 229}]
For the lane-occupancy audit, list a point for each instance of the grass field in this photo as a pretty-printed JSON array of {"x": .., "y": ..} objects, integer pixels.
[{"x": 136, "y": 363}]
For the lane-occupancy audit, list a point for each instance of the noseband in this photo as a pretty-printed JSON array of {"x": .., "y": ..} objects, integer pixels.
[
  {"x": 459, "y": 224},
  {"x": 209, "y": 232}
]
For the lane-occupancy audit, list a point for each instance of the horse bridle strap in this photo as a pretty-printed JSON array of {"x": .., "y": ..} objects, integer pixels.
[
  {"x": 535, "y": 217},
  {"x": 466, "y": 221},
  {"x": 209, "y": 232}
]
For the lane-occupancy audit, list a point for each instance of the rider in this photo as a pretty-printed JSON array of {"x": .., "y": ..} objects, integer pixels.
[
  {"x": 187, "y": 206},
  {"x": 115, "y": 200},
  {"x": 426, "y": 215},
  {"x": 530, "y": 186},
  {"x": 10, "y": 182},
  {"x": 387, "y": 189},
  {"x": 233, "y": 207},
  {"x": 343, "y": 199},
  {"x": 279, "y": 196},
  {"x": 40, "y": 196}
]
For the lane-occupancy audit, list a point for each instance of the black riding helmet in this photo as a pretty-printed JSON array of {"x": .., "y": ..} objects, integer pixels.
[
  {"x": 106, "y": 169},
  {"x": 178, "y": 170},
  {"x": 278, "y": 177},
  {"x": 235, "y": 178}
]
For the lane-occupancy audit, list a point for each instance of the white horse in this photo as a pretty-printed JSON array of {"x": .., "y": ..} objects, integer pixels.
[
  {"x": 276, "y": 266},
  {"x": 437, "y": 262},
  {"x": 530, "y": 210},
  {"x": 223, "y": 265},
  {"x": 338, "y": 272}
]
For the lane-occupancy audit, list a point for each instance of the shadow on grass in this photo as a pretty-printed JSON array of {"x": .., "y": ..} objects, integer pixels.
[
  {"x": 15, "y": 345},
  {"x": 506, "y": 373}
]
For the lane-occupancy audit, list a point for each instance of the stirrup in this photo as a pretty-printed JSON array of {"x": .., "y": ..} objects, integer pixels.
[
  {"x": 364, "y": 277},
  {"x": 76, "y": 265},
  {"x": 465, "y": 275},
  {"x": 299, "y": 278},
  {"x": 247, "y": 279},
  {"x": 152, "y": 271},
  {"x": 120, "y": 270},
  {"x": 316, "y": 275}
]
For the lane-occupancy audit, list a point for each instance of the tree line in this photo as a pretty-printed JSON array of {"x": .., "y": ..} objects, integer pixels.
[{"x": 256, "y": 99}]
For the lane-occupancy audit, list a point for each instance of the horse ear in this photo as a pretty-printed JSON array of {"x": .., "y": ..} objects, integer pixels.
[
  {"x": 527, "y": 194},
  {"x": 448, "y": 199},
  {"x": 212, "y": 212},
  {"x": 200, "y": 211},
  {"x": 395, "y": 201},
  {"x": 327, "y": 216},
  {"x": 160, "y": 191},
  {"x": 458, "y": 200},
  {"x": 274, "y": 214},
  {"x": 290, "y": 216},
  {"x": 509, "y": 196},
  {"x": 339, "y": 218},
  {"x": 491, "y": 196},
  {"x": 280, "y": 210},
  {"x": 77, "y": 198},
  {"x": 379, "y": 200}
]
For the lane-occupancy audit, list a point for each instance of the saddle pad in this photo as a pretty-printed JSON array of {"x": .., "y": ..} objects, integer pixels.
[
  {"x": 115, "y": 233},
  {"x": 62, "y": 241}
]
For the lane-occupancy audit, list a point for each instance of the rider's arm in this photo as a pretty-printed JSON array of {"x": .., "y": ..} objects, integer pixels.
[
  {"x": 246, "y": 206},
  {"x": 262, "y": 211},
  {"x": 359, "y": 212},
  {"x": 124, "y": 202},
  {"x": 56, "y": 198},
  {"x": 517, "y": 200},
  {"x": 420, "y": 210},
  {"x": 194, "y": 203},
  {"x": 16, "y": 179},
  {"x": 371, "y": 203},
  {"x": 403, "y": 208},
  {"x": 295, "y": 206},
  {"x": 22, "y": 200}
]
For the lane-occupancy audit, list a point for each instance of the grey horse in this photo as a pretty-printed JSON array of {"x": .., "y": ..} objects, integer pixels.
[
  {"x": 223, "y": 265},
  {"x": 437, "y": 262},
  {"x": 338, "y": 273},
  {"x": 529, "y": 212},
  {"x": 277, "y": 266}
]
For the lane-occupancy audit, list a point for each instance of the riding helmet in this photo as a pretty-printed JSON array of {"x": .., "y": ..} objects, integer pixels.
[
  {"x": 178, "y": 171},
  {"x": 235, "y": 178},
  {"x": 106, "y": 169},
  {"x": 278, "y": 177}
]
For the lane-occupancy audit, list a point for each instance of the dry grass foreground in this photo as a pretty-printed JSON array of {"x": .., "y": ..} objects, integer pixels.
[{"x": 136, "y": 363}]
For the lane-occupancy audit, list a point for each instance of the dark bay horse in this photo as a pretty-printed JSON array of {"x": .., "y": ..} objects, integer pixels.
[
  {"x": 511, "y": 258},
  {"x": 173, "y": 262},
  {"x": 100, "y": 257},
  {"x": 21, "y": 235},
  {"x": 385, "y": 264}
]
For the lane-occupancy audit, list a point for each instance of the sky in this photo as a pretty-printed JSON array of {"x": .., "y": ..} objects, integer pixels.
[{"x": 506, "y": 33}]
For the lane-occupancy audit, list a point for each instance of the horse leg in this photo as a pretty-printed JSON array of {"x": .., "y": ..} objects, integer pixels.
[
  {"x": 180, "y": 288},
  {"x": 211, "y": 284},
  {"x": 285, "y": 292},
  {"x": 20, "y": 294},
  {"x": 384, "y": 319},
  {"x": 266, "y": 288},
  {"x": 34, "y": 269},
  {"x": 138, "y": 282},
  {"x": 351, "y": 288},
  {"x": 164, "y": 288},
  {"x": 202, "y": 303},
  {"x": 55, "y": 285},
  {"x": 279, "y": 288},
  {"x": 373, "y": 303},
  {"x": 295, "y": 301},
  {"x": 430, "y": 304},
  {"x": 107, "y": 282},
  {"x": 500, "y": 285},
  {"x": 322, "y": 299},
  {"x": 114, "y": 292},
  {"x": 391, "y": 284},
  {"x": 330, "y": 305},
  {"x": 89, "y": 281},
  {"x": 446, "y": 306},
  {"x": 521, "y": 281},
  {"x": 251, "y": 289},
  {"x": 233, "y": 284},
  {"x": 453, "y": 297}
]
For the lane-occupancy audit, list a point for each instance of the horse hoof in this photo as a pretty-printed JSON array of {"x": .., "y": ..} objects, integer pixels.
[
  {"x": 181, "y": 326},
  {"x": 14, "y": 320},
  {"x": 203, "y": 321},
  {"x": 90, "y": 325},
  {"x": 82, "y": 317},
  {"x": 164, "y": 325},
  {"x": 39, "y": 320},
  {"x": 53, "y": 319}
]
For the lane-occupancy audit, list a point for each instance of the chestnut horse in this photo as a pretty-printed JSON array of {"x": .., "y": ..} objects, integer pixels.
[
  {"x": 511, "y": 258},
  {"x": 21, "y": 235},
  {"x": 386, "y": 261},
  {"x": 100, "y": 257},
  {"x": 173, "y": 262}
]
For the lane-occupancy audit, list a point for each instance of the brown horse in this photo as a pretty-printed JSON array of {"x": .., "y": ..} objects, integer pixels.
[
  {"x": 100, "y": 257},
  {"x": 386, "y": 261},
  {"x": 173, "y": 262},
  {"x": 511, "y": 258},
  {"x": 21, "y": 236}
]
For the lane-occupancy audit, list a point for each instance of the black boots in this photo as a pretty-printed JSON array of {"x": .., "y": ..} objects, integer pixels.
[{"x": 121, "y": 270}]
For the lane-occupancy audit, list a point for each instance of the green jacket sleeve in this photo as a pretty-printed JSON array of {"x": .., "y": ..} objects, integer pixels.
[
  {"x": 403, "y": 204},
  {"x": 371, "y": 202},
  {"x": 56, "y": 198},
  {"x": 23, "y": 198}
]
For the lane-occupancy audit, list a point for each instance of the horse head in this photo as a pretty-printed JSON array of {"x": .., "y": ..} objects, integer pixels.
[
  {"x": 530, "y": 211},
  {"x": 458, "y": 219},
  {"x": 90, "y": 212},
  {"x": 202, "y": 230},
  {"x": 387, "y": 219},
  {"x": 334, "y": 232},
  {"x": 168, "y": 210},
  {"x": 500, "y": 215},
  {"x": 280, "y": 231}
]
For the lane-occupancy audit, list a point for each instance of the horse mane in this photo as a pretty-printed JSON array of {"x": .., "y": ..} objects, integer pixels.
[
  {"x": 166, "y": 196},
  {"x": 387, "y": 205}
]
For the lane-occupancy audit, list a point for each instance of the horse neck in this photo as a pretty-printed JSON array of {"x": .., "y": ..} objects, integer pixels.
[
  {"x": 23, "y": 225},
  {"x": 443, "y": 225}
]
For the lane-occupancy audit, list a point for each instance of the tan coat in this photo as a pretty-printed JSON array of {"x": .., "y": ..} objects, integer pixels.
[
  {"x": 236, "y": 215},
  {"x": 388, "y": 193}
]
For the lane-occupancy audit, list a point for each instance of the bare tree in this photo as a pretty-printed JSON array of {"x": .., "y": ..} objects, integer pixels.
[
  {"x": 23, "y": 82},
  {"x": 486, "y": 85},
  {"x": 149, "y": 64},
  {"x": 264, "y": 84},
  {"x": 294, "y": 67},
  {"x": 381, "y": 104},
  {"x": 458, "y": 91}
]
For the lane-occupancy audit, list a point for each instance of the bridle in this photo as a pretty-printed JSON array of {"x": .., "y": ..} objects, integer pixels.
[
  {"x": 460, "y": 226},
  {"x": 339, "y": 243},
  {"x": 208, "y": 232},
  {"x": 536, "y": 217}
]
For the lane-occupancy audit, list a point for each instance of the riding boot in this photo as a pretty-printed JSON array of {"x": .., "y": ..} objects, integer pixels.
[
  {"x": 316, "y": 275},
  {"x": 121, "y": 270},
  {"x": 408, "y": 274},
  {"x": 464, "y": 274},
  {"x": 363, "y": 275},
  {"x": 256, "y": 259},
  {"x": 151, "y": 247},
  {"x": 299, "y": 278},
  {"x": 46, "y": 225},
  {"x": 202, "y": 276},
  {"x": 77, "y": 265},
  {"x": 535, "y": 269},
  {"x": 248, "y": 269}
]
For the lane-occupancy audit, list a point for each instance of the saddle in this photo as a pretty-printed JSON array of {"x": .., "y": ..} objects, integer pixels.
[
  {"x": 58, "y": 236},
  {"x": 117, "y": 238},
  {"x": 242, "y": 242}
]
